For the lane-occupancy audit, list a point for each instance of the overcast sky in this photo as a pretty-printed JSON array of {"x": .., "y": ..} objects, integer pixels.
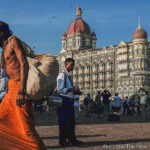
[{"x": 41, "y": 23}]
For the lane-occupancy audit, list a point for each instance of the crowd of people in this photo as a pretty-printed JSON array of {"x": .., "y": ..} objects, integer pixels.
[{"x": 104, "y": 105}]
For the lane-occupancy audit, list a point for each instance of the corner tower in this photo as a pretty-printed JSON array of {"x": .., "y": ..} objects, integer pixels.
[{"x": 141, "y": 57}]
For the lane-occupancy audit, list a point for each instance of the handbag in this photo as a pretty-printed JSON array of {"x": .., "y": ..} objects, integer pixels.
[{"x": 55, "y": 101}]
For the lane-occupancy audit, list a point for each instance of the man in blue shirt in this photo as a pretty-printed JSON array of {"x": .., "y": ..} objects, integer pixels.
[
  {"x": 66, "y": 118},
  {"x": 117, "y": 103},
  {"x": 3, "y": 84}
]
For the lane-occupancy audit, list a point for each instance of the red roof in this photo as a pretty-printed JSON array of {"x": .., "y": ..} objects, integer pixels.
[
  {"x": 139, "y": 33},
  {"x": 79, "y": 26},
  {"x": 65, "y": 34}
]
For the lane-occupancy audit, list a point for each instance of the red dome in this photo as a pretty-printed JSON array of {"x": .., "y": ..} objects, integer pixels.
[
  {"x": 139, "y": 33},
  {"x": 65, "y": 34},
  {"x": 79, "y": 26}
]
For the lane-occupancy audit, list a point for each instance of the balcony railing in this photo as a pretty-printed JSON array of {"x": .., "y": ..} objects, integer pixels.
[
  {"x": 87, "y": 79},
  {"x": 95, "y": 85},
  {"x": 94, "y": 70},
  {"x": 108, "y": 69},
  {"x": 74, "y": 80},
  {"x": 109, "y": 85},
  {"x": 75, "y": 73},
  {"x": 102, "y": 70},
  {"x": 81, "y": 72},
  {"x": 94, "y": 77},
  {"x": 101, "y": 79},
  {"x": 123, "y": 74},
  {"x": 94, "y": 80},
  {"x": 87, "y": 85},
  {"x": 109, "y": 78},
  {"x": 82, "y": 88},
  {"x": 80, "y": 79},
  {"x": 86, "y": 71},
  {"x": 102, "y": 86}
]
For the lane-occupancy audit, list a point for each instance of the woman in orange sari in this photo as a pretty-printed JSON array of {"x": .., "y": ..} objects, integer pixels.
[{"x": 17, "y": 129}]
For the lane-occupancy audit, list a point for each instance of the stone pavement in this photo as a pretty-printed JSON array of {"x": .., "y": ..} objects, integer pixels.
[{"x": 98, "y": 134}]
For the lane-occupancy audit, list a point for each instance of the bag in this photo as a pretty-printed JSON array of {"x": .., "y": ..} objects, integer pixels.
[
  {"x": 113, "y": 117},
  {"x": 42, "y": 74},
  {"x": 55, "y": 100},
  {"x": 43, "y": 71}
]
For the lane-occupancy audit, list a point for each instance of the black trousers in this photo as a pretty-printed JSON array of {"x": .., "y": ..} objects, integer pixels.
[
  {"x": 126, "y": 109},
  {"x": 66, "y": 121}
]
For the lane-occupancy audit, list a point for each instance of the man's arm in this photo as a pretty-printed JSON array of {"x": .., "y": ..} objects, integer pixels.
[
  {"x": 23, "y": 63},
  {"x": 18, "y": 49}
]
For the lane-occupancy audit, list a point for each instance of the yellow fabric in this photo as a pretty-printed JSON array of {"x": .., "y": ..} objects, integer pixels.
[{"x": 17, "y": 129}]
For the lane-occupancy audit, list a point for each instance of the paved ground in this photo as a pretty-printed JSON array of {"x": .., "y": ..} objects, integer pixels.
[{"x": 98, "y": 134}]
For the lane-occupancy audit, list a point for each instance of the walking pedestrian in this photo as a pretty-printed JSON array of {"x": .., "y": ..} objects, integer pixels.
[{"x": 17, "y": 129}]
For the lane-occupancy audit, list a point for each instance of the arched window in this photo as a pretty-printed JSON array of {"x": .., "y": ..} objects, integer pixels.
[
  {"x": 131, "y": 90},
  {"x": 120, "y": 91},
  {"x": 125, "y": 91}
]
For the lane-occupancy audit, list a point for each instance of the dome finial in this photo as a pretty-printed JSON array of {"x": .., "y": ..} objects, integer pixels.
[
  {"x": 139, "y": 25},
  {"x": 78, "y": 12}
]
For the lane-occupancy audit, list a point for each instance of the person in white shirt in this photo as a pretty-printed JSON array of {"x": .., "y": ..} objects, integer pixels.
[{"x": 66, "y": 118}]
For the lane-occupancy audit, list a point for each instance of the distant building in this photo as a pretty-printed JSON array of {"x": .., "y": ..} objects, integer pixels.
[{"x": 122, "y": 68}]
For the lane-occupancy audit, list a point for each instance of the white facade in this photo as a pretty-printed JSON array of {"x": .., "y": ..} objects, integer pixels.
[{"x": 122, "y": 68}]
